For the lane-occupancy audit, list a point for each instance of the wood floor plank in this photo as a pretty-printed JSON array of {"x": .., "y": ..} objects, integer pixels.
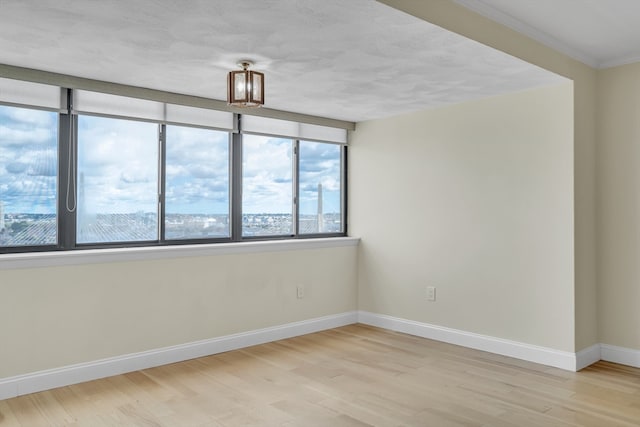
[
  {"x": 7, "y": 416},
  {"x": 350, "y": 376}
]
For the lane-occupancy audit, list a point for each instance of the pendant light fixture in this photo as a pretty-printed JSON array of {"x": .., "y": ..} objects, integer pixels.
[{"x": 245, "y": 88}]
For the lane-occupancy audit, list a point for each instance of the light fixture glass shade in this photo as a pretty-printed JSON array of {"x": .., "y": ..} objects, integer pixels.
[{"x": 245, "y": 88}]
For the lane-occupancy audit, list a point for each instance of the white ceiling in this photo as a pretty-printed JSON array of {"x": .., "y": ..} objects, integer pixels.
[
  {"x": 600, "y": 33},
  {"x": 351, "y": 60}
]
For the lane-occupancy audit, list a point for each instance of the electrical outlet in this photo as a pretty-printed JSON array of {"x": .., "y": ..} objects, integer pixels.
[
  {"x": 431, "y": 293},
  {"x": 300, "y": 291}
]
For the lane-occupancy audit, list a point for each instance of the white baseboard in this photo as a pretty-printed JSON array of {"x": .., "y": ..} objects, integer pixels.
[
  {"x": 67, "y": 375},
  {"x": 543, "y": 355},
  {"x": 588, "y": 356},
  {"x": 621, "y": 355}
]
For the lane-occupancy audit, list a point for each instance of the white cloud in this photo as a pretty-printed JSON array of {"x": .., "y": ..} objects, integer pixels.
[
  {"x": 25, "y": 136},
  {"x": 197, "y": 165},
  {"x": 267, "y": 174},
  {"x": 28, "y": 160},
  {"x": 117, "y": 165}
]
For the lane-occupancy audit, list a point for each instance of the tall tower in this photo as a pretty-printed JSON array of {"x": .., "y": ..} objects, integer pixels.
[
  {"x": 320, "y": 216},
  {"x": 2, "y": 225}
]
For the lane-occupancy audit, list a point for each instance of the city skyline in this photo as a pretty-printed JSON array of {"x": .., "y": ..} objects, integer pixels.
[{"x": 41, "y": 229}]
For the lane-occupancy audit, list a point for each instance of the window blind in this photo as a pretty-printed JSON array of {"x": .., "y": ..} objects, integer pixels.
[
  {"x": 22, "y": 93},
  {"x": 121, "y": 106},
  {"x": 276, "y": 127}
]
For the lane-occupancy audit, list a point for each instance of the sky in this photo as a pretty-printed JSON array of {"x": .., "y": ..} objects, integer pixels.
[
  {"x": 118, "y": 168},
  {"x": 197, "y": 171},
  {"x": 319, "y": 164},
  {"x": 267, "y": 175},
  {"x": 28, "y": 160}
]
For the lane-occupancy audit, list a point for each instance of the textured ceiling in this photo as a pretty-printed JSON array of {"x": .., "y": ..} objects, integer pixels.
[
  {"x": 351, "y": 60},
  {"x": 597, "y": 32}
]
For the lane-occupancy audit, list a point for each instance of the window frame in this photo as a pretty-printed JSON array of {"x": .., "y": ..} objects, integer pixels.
[
  {"x": 59, "y": 133},
  {"x": 76, "y": 183},
  {"x": 293, "y": 201},
  {"x": 162, "y": 195},
  {"x": 67, "y": 183},
  {"x": 343, "y": 192}
]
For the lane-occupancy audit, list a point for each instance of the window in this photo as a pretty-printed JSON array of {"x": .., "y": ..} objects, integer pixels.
[
  {"x": 117, "y": 180},
  {"x": 267, "y": 186},
  {"x": 197, "y": 183},
  {"x": 82, "y": 169},
  {"x": 320, "y": 188},
  {"x": 28, "y": 177}
]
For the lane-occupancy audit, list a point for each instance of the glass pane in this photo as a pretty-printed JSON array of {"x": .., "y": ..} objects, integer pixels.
[
  {"x": 256, "y": 87},
  {"x": 28, "y": 177},
  {"x": 240, "y": 85},
  {"x": 267, "y": 189},
  {"x": 320, "y": 188},
  {"x": 197, "y": 183},
  {"x": 117, "y": 180}
]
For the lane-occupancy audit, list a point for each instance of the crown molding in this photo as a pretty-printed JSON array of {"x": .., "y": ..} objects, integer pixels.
[
  {"x": 619, "y": 62},
  {"x": 515, "y": 24}
]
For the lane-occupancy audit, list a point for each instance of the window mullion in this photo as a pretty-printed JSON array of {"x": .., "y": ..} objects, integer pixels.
[
  {"x": 162, "y": 163},
  {"x": 236, "y": 186},
  {"x": 344, "y": 185},
  {"x": 296, "y": 187},
  {"x": 67, "y": 177}
]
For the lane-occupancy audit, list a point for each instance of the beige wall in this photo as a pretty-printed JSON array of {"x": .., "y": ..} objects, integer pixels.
[
  {"x": 475, "y": 199},
  {"x": 453, "y": 17},
  {"x": 619, "y": 205},
  {"x": 57, "y": 316}
]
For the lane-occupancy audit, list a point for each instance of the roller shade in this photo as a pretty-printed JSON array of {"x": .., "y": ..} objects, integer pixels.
[
  {"x": 28, "y": 94},
  {"x": 199, "y": 116},
  {"x": 114, "y": 105},
  {"x": 276, "y": 127}
]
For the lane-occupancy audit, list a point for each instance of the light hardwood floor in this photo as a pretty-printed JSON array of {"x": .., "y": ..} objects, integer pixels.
[{"x": 350, "y": 376}]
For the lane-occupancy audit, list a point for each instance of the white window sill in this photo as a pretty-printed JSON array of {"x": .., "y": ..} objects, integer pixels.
[{"x": 97, "y": 256}]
